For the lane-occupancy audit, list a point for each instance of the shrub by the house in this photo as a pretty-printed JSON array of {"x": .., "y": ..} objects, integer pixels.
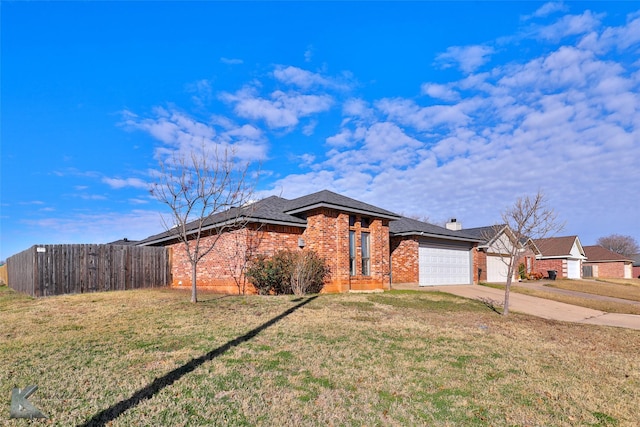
[{"x": 288, "y": 272}]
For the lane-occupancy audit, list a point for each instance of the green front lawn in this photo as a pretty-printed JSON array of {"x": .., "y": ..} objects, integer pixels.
[{"x": 397, "y": 358}]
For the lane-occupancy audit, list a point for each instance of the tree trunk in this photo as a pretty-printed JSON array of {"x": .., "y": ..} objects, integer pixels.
[
  {"x": 507, "y": 288},
  {"x": 194, "y": 297}
]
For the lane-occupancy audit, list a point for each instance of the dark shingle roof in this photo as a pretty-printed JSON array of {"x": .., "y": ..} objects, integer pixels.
[
  {"x": 330, "y": 199},
  {"x": 268, "y": 210},
  {"x": 600, "y": 254},
  {"x": 124, "y": 242},
  {"x": 485, "y": 234},
  {"x": 408, "y": 227},
  {"x": 276, "y": 210}
]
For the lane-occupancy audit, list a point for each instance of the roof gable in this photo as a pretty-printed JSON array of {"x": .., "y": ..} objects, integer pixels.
[
  {"x": 329, "y": 199},
  {"x": 560, "y": 247},
  {"x": 489, "y": 233}
]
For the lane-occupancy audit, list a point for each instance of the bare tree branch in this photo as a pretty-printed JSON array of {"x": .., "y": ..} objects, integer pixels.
[
  {"x": 196, "y": 187},
  {"x": 623, "y": 245},
  {"x": 529, "y": 218}
]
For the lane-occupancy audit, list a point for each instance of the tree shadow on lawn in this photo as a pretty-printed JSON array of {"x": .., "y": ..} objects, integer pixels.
[{"x": 110, "y": 414}]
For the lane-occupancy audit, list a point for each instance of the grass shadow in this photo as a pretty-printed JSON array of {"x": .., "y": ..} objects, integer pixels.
[
  {"x": 493, "y": 305},
  {"x": 113, "y": 412}
]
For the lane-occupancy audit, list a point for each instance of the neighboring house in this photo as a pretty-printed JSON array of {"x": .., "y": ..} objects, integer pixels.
[
  {"x": 601, "y": 262},
  {"x": 430, "y": 255},
  {"x": 562, "y": 254},
  {"x": 636, "y": 266},
  {"x": 494, "y": 252},
  {"x": 124, "y": 242},
  {"x": 352, "y": 236}
]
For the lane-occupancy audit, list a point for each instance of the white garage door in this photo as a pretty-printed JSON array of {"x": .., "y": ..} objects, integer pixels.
[
  {"x": 444, "y": 266},
  {"x": 573, "y": 269},
  {"x": 497, "y": 269}
]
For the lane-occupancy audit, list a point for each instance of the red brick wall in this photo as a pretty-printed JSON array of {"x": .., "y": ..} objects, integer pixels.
[
  {"x": 221, "y": 269},
  {"x": 404, "y": 260},
  {"x": 636, "y": 272},
  {"x": 613, "y": 270},
  {"x": 327, "y": 233},
  {"x": 544, "y": 265},
  {"x": 480, "y": 262}
]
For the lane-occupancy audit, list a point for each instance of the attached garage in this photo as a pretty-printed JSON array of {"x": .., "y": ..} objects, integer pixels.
[
  {"x": 430, "y": 255},
  {"x": 444, "y": 264}
]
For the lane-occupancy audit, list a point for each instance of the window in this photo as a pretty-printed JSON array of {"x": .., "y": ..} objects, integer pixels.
[
  {"x": 352, "y": 253},
  {"x": 364, "y": 222},
  {"x": 352, "y": 220},
  {"x": 366, "y": 254}
]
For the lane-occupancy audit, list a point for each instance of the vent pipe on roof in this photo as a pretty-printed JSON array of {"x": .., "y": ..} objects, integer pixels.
[{"x": 453, "y": 225}]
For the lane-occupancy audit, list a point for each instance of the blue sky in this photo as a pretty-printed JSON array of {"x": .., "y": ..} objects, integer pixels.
[{"x": 428, "y": 109}]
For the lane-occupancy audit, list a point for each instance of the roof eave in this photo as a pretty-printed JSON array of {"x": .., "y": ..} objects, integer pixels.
[{"x": 438, "y": 236}]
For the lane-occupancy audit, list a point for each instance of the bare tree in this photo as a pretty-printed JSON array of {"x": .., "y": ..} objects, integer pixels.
[
  {"x": 623, "y": 245},
  {"x": 529, "y": 218},
  {"x": 196, "y": 186},
  {"x": 242, "y": 250}
]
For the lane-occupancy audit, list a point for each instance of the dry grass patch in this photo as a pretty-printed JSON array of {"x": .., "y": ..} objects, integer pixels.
[
  {"x": 616, "y": 288},
  {"x": 606, "y": 306},
  {"x": 398, "y": 358}
]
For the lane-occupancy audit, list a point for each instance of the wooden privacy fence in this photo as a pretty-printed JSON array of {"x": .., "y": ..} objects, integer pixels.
[{"x": 45, "y": 270}]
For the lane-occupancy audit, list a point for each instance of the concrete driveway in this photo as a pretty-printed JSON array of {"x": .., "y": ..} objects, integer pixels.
[{"x": 535, "y": 306}]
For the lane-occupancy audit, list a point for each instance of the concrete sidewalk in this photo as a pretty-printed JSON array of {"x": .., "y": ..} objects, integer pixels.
[{"x": 535, "y": 306}]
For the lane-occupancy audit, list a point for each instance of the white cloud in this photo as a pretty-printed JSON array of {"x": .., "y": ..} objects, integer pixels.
[
  {"x": 231, "y": 61},
  {"x": 308, "y": 54},
  {"x": 409, "y": 113},
  {"x": 466, "y": 58},
  {"x": 299, "y": 77},
  {"x": 306, "y": 80},
  {"x": 566, "y": 121},
  {"x": 183, "y": 134},
  {"x": 309, "y": 128},
  {"x": 570, "y": 25},
  {"x": 547, "y": 9},
  {"x": 202, "y": 92},
  {"x": 439, "y": 91},
  {"x": 282, "y": 110},
  {"x": 619, "y": 38},
  {"x": 118, "y": 183}
]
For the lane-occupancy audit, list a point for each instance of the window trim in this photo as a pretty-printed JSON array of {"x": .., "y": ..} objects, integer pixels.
[
  {"x": 352, "y": 253},
  {"x": 366, "y": 253}
]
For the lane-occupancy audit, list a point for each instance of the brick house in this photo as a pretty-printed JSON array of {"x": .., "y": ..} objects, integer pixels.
[
  {"x": 602, "y": 262},
  {"x": 565, "y": 255},
  {"x": 494, "y": 253},
  {"x": 431, "y": 255},
  {"x": 636, "y": 266},
  {"x": 355, "y": 239}
]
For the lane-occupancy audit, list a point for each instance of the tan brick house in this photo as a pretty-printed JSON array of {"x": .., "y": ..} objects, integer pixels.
[{"x": 355, "y": 238}]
